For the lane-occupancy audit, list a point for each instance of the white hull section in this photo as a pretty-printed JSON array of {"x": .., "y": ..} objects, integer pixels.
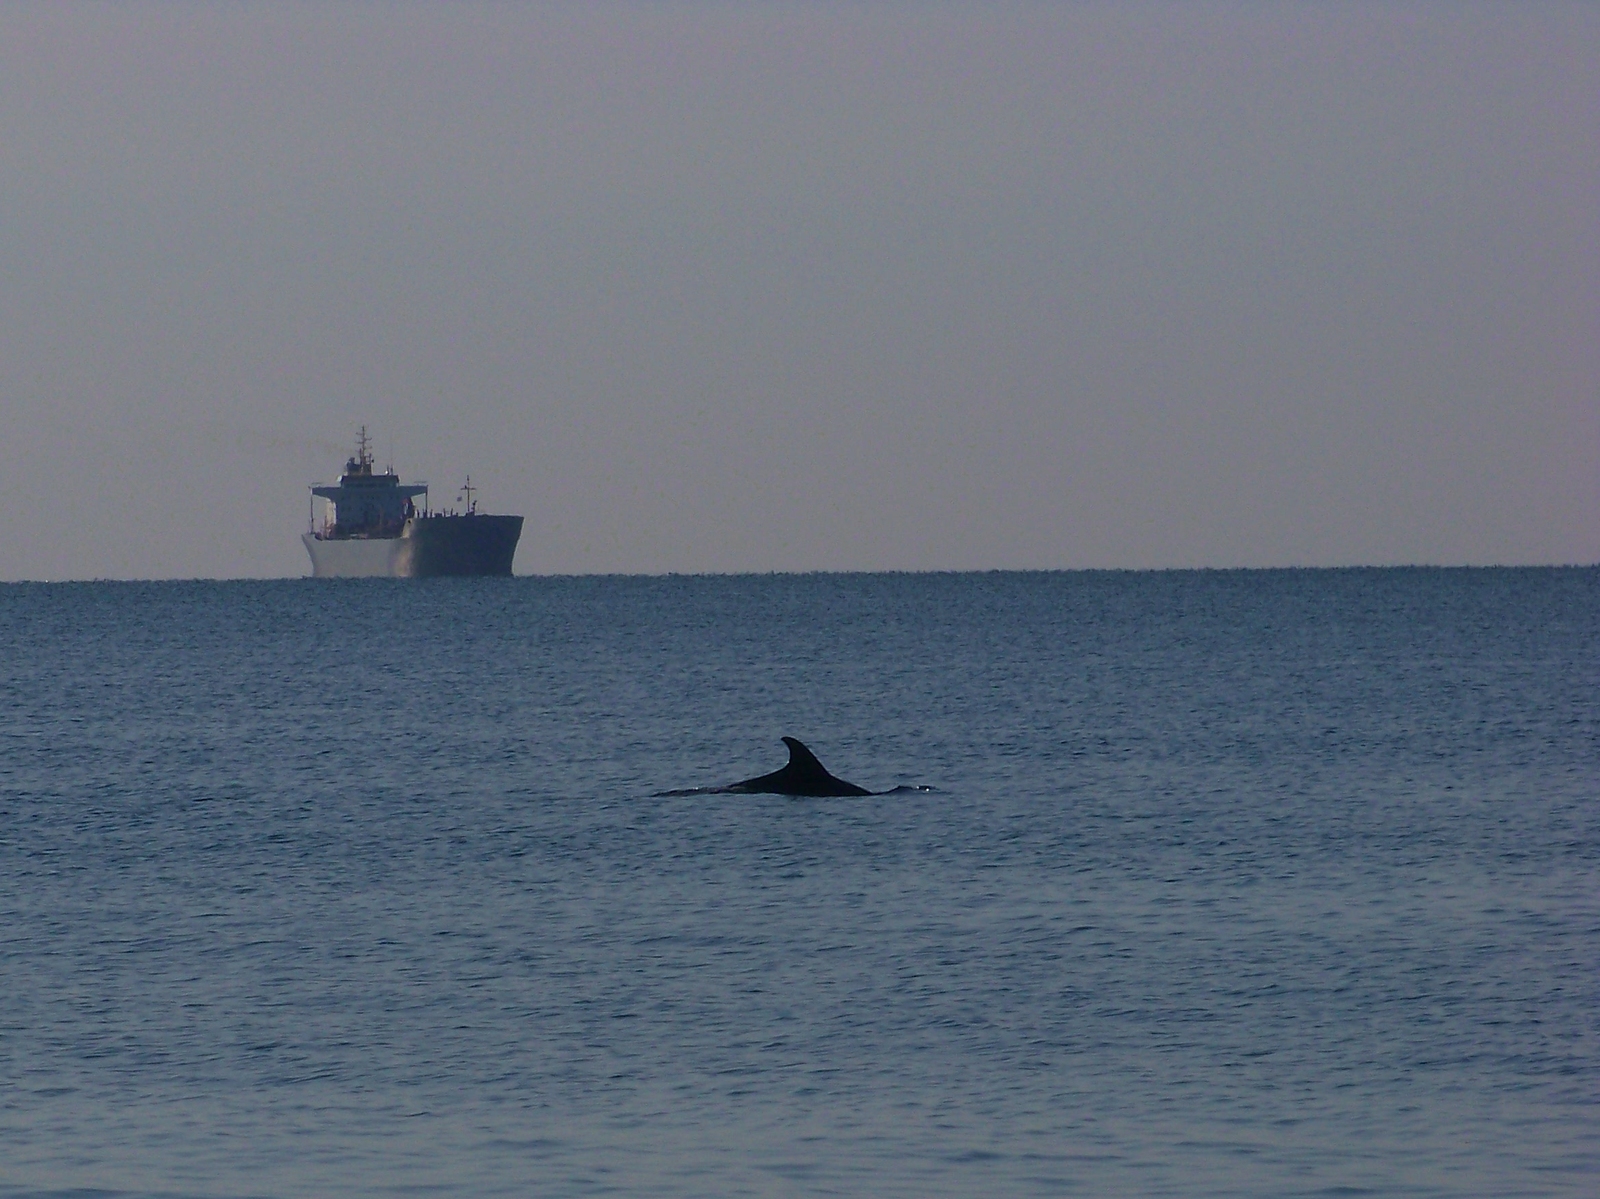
[{"x": 356, "y": 558}]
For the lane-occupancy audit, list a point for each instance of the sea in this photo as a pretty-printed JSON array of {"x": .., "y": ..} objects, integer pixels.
[{"x": 1211, "y": 883}]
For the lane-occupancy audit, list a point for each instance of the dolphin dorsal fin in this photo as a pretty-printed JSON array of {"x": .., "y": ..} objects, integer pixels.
[
  {"x": 803, "y": 775},
  {"x": 802, "y": 759}
]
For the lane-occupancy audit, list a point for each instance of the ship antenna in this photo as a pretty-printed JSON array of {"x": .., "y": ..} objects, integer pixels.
[
  {"x": 469, "y": 489},
  {"x": 364, "y": 452}
]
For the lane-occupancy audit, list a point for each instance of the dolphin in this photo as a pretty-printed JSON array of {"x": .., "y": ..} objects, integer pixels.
[{"x": 804, "y": 775}]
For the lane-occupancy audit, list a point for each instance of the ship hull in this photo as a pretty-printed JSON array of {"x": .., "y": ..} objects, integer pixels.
[{"x": 427, "y": 547}]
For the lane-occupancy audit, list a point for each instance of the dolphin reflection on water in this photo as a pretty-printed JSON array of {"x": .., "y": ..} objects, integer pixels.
[{"x": 804, "y": 775}]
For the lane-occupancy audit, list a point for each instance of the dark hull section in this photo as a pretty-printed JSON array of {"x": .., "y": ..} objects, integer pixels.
[
  {"x": 429, "y": 547},
  {"x": 459, "y": 545}
]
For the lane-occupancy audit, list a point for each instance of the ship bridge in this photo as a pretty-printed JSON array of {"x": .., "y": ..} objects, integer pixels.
[{"x": 367, "y": 503}]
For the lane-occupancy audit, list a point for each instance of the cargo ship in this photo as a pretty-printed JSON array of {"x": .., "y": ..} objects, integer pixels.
[{"x": 373, "y": 527}]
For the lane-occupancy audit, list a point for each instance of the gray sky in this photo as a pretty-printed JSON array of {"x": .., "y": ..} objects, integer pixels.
[{"x": 796, "y": 286}]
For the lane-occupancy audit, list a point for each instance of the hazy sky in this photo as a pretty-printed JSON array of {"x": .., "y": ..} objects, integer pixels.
[{"x": 797, "y": 286}]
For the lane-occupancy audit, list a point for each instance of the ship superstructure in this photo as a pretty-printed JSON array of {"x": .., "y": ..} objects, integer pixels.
[{"x": 372, "y": 526}]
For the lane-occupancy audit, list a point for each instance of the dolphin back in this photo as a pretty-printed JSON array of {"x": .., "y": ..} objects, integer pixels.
[{"x": 804, "y": 775}]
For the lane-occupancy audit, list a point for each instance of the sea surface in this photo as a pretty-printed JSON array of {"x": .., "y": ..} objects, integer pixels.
[{"x": 1260, "y": 883}]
